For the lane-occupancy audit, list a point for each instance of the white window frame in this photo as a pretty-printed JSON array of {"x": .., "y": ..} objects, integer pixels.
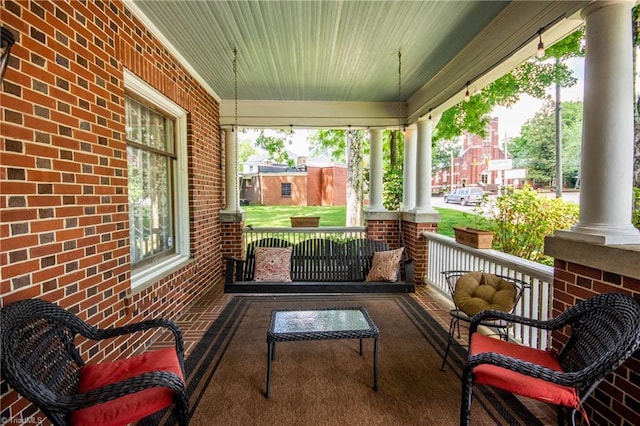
[{"x": 146, "y": 276}]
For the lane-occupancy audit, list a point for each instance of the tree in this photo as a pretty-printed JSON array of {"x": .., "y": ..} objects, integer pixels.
[
  {"x": 535, "y": 147},
  {"x": 276, "y": 146},
  {"x": 532, "y": 77},
  {"x": 355, "y": 177},
  {"x": 330, "y": 142},
  {"x": 246, "y": 149}
]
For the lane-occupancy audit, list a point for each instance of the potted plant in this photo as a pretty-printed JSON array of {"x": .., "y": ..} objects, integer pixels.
[{"x": 473, "y": 237}]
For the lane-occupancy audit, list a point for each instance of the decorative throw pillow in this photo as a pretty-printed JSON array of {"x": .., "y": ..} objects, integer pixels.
[
  {"x": 272, "y": 264},
  {"x": 385, "y": 265},
  {"x": 477, "y": 291}
]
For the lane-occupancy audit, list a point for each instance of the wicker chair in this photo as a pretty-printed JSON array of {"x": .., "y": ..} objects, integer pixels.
[
  {"x": 604, "y": 332},
  {"x": 41, "y": 362},
  {"x": 458, "y": 315}
]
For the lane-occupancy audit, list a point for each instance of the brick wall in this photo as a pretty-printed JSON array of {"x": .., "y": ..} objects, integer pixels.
[
  {"x": 417, "y": 247},
  {"x": 617, "y": 398},
  {"x": 271, "y": 185},
  {"x": 384, "y": 230},
  {"x": 314, "y": 186},
  {"x": 334, "y": 186},
  {"x": 64, "y": 232}
]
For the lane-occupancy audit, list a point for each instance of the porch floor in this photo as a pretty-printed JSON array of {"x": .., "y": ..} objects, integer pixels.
[{"x": 199, "y": 317}]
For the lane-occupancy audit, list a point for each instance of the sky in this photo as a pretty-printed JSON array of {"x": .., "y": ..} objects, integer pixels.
[{"x": 510, "y": 119}]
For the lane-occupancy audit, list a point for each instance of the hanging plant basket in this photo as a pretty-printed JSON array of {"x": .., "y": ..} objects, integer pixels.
[{"x": 476, "y": 238}]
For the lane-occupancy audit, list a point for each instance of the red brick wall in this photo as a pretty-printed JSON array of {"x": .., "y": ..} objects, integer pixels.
[
  {"x": 271, "y": 185},
  {"x": 384, "y": 230},
  {"x": 617, "y": 398},
  {"x": 417, "y": 247},
  {"x": 334, "y": 186},
  {"x": 314, "y": 186},
  {"x": 414, "y": 244},
  {"x": 64, "y": 231}
]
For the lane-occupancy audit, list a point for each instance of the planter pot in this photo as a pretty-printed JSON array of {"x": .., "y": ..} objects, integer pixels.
[
  {"x": 305, "y": 221},
  {"x": 472, "y": 237}
]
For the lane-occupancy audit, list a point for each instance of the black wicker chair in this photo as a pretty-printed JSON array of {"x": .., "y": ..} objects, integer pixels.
[
  {"x": 604, "y": 332},
  {"x": 41, "y": 362},
  {"x": 501, "y": 328}
]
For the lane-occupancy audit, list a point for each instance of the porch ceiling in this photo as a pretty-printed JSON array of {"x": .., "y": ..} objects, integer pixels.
[{"x": 334, "y": 63}]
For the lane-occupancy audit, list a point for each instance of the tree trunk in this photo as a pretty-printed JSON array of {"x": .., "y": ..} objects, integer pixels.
[
  {"x": 355, "y": 178},
  {"x": 393, "y": 149}
]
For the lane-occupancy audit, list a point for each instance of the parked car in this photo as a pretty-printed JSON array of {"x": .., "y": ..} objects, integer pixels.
[{"x": 464, "y": 196}]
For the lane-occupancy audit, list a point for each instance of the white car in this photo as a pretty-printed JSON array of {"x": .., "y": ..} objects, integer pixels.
[{"x": 464, "y": 196}]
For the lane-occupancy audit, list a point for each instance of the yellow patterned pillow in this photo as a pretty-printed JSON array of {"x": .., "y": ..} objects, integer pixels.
[
  {"x": 385, "y": 265},
  {"x": 273, "y": 264}
]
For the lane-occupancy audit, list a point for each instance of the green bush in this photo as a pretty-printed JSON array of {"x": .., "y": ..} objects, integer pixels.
[
  {"x": 392, "y": 190},
  {"x": 522, "y": 218}
]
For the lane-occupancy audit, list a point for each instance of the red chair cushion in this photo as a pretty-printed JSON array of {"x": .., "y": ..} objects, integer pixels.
[
  {"x": 518, "y": 383},
  {"x": 128, "y": 408}
]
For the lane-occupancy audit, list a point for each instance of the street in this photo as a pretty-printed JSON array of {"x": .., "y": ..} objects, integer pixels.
[{"x": 438, "y": 201}]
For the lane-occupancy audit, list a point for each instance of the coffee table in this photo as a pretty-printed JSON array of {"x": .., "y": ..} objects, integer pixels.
[{"x": 320, "y": 324}]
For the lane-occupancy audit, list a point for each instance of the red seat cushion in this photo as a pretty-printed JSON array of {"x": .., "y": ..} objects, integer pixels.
[
  {"x": 518, "y": 383},
  {"x": 128, "y": 408}
]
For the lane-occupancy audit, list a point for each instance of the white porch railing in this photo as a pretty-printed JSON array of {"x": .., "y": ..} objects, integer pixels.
[
  {"x": 445, "y": 254},
  {"x": 295, "y": 235}
]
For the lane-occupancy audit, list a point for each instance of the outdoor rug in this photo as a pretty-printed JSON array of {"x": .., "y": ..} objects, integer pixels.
[{"x": 327, "y": 382}]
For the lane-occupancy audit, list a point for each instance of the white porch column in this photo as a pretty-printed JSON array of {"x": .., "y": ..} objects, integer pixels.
[
  {"x": 423, "y": 167},
  {"x": 375, "y": 171},
  {"x": 606, "y": 171},
  {"x": 409, "y": 169},
  {"x": 230, "y": 172}
]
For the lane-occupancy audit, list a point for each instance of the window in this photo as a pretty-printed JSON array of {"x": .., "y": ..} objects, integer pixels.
[
  {"x": 151, "y": 162},
  {"x": 158, "y": 204},
  {"x": 285, "y": 190},
  {"x": 484, "y": 177}
]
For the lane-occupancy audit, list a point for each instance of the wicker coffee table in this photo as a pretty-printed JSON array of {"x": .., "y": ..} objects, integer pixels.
[{"x": 320, "y": 324}]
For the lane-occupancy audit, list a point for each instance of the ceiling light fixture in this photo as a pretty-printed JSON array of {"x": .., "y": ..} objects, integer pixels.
[
  {"x": 467, "y": 95},
  {"x": 540, "y": 52}
]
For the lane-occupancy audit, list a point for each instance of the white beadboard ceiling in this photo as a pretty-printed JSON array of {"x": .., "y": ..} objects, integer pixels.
[{"x": 325, "y": 63}]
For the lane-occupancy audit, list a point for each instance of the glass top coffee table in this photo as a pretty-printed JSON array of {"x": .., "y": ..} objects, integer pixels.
[{"x": 320, "y": 324}]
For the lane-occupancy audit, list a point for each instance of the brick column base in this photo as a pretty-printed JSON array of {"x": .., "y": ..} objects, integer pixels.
[
  {"x": 232, "y": 240},
  {"x": 418, "y": 247}
]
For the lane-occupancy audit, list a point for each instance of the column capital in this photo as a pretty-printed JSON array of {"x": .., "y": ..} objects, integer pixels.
[{"x": 595, "y": 5}]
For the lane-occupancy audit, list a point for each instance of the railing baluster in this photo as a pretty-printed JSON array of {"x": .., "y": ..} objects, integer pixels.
[{"x": 446, "y": 254}]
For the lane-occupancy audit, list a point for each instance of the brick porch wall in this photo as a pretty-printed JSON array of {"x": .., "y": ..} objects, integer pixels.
[
  {"x": 418, "y": 247},
  {"x": 64, "y": 231},
  {"x": 384, "y": 230},
  {"x": 617, "y": 398}
]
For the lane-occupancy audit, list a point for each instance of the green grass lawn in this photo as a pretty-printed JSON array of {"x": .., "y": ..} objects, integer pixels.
[{"x": 269, "y": 216}]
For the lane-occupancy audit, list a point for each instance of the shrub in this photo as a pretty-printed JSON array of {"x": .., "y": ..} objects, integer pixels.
[
  {"x": 522, "y": 218},
  {"x": 392, "y": 191}
]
